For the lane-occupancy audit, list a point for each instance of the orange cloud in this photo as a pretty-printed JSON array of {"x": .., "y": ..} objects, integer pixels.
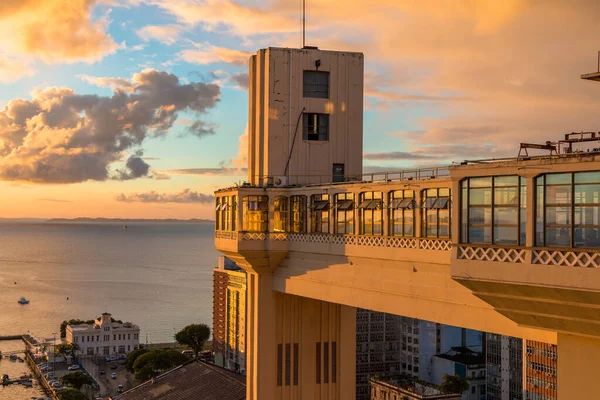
[
  {"x": 54, "y": 30},
  {"x": 207, "y": 54}
]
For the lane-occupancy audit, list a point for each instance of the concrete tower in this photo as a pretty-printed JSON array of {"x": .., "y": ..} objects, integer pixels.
[{"x": 305, "y": 117}]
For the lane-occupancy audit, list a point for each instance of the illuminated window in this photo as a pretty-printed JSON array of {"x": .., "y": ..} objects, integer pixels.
[
  {"x": 280, "y": 214},
  {"x": 493, "y": 210},
  {"x": 225, "y": 213},
  {"x": 320, "y": 213},
  {"x": 568, "y": 210},
  {"x": 344, "y": 213},
  {"x": 436, "y": 213},
  {"x": 298, "y": 211},
  {"x": 402, "y": 212},
  {"x": 370, "y": 212},
  {"x": 255, "y": 213},
  {"x": 315, "y": 127}
]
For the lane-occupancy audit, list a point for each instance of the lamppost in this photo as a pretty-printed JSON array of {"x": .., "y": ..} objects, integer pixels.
[{"x": 53, "y": 354}]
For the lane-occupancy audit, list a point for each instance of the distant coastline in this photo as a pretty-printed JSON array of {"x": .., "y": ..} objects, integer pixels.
[{"x": 130, "y": 220}]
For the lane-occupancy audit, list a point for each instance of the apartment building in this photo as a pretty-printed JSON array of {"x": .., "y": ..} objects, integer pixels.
[
  {"x": 104, "y": 336},
  {"x": 541, "y": 371},
  {"x": 463, "y": 362}
]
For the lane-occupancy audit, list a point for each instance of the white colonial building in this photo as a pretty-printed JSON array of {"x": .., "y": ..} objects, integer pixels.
[{"x": 104, "y": 337}]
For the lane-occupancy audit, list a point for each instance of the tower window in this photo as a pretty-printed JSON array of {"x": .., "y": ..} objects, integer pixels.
[
  {"x": 316, "y": 84},
  {"x": 315, "y": 127}
]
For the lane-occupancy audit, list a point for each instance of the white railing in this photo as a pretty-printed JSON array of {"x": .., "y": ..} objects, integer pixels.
[
  {"x": 226, "y": 235},
  {"x": 326, "y": 238},
  {"x": 495, "y": 254},
  {"x": 566, "y": 258}
]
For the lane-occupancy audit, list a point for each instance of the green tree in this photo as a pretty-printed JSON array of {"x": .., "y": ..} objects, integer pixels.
[
  {"x": 454, "y": 384},
  {"x": 76, "y": 379},
  {"x": 71, "y": 394},
  {"x": 153, "y": 362},
  {"x": 66, "y": 348},
  {"x": 195, "y": 336},
  {"x": 132, "y": 356}
]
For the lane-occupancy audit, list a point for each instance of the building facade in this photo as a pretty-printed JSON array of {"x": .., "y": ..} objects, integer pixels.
[
  {"x": 504, "y": 365},
  {"x": 104, "y": 337},
  {"x": 541, "y": 370},
  {"x": 235, "y": 354},
  {"x": 404, "y": 387},
  {"x": 223, "y": 312},
  {"x": 465, "y": 363},
  {"x": 378, "y": 338}
]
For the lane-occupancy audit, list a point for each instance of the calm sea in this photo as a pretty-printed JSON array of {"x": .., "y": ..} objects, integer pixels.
[{"x": 156, "y": 275}]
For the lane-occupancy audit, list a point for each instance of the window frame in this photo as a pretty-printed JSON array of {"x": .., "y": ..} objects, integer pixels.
[
  {"x": 394, "y": 210},
  {"x": 320, "y": 213},
  {"x": 320, "y": 131},
  {"x": 280, "y": 213},
  {"x": 520, "y": 205},
  {"x": 261, "y": 224},
  {"x": 370, "y": 205},
  {"x": 573, "y": 205},
  {"x": 314, "y": 86},
  {"x": 298, "y": 213},
  {"x": 432, "y": 206},
  {"x": 346, "y": 214}
]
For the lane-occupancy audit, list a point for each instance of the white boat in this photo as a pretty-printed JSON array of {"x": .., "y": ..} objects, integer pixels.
[{"x": 23, "y": 300}]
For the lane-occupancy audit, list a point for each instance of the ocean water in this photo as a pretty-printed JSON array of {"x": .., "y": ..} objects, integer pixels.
[
  {"x": 14, "y": 370},
  {"x": 157, "y": 275}
]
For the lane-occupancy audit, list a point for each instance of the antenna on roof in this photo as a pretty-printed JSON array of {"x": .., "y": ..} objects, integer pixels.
[{"x": 303, "y": 23}]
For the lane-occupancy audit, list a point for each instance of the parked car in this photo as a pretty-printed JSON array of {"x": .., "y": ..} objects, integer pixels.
[
  {"x": 113, "y": 366},
  {"x": 113, "y": 375},
  {"x": 113, "y": 358},
  {"x": 120, "y": 389},
  {"x": 122, "y": 356},
  {"x": 102, "y": 372},
  {"x": 188, "y": 353},
  {"x": 55, "y": 384},
  {"x": 73, "y": 367}
]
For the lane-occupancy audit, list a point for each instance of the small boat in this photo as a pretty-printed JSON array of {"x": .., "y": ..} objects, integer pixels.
[
  {"x": 23, "y": 300},
  {"x": 13, "y": 357},
  {"x": 27, "y": 383},
  {"x": 124, "y": 226}
]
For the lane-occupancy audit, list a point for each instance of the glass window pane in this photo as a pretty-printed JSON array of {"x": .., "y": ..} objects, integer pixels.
[
  {"x": 480, "y": 182},
  {"x": 506, "y": 195},
  {"x": 480, "y": 234},
  {"x": 480, "y": 216},
  {"x": 464, "y": 210},
  {"x": 558, "y": 194},
  {"x": 558, "y": 215},
  {"x": 589, "y": 193},
  {"x": 558, "y": 237},
  {"x": 587, "y": 215},
  {"x": 587, "y": 237},
  {"x": 505, "y": 235},
  {"x": 587, "y": 177},
  {"x": 506, "y": 181},
  {"x": 443, "y": 192},
  {"x": 506, "y": 216},
  {"x": 480, "y": 196},
  {"x": 523, "y": 211},
  {"x": 539, "y": 216},
  {"x": 557, "y": 179}
]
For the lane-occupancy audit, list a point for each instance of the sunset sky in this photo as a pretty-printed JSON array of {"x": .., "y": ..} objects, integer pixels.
[{"x": 137, "y": 108}]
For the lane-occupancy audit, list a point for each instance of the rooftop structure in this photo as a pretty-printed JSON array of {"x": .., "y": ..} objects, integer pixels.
[
  {"x": 406, "y": 387},
  {"x": 194, "y": 380}
]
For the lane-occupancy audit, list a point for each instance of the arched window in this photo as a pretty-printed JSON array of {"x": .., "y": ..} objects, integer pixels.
[
  {"x": 402, "y": 212},
  {"x": 298, "y": 214},
  {"x": 370, "y": 210},
  {"x": 493, "y": 210},
  {"x": 255, "y": 213},
  {"x": 568, "y": 210},
  {"x": 320, "y": 213},
  {"x": 436, "y": 213},
  {"x": 344, "y": 213},
  {"x": 280, "y": 214}
]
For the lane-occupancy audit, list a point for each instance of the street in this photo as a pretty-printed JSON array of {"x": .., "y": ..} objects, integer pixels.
[{"x": 108, "y": 386}]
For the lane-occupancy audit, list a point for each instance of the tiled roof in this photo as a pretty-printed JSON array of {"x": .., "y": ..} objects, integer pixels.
[{"x": 193, "y": 380}]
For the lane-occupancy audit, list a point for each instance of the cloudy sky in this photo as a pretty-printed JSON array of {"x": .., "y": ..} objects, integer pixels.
[{"x": 137, "y": 108}]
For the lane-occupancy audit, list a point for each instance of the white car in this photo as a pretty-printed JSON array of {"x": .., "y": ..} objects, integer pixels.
[
  {"x": 55, "y": 384},
  {"x": 73, "y": 367},
  {"x": 113, "y": 375}
]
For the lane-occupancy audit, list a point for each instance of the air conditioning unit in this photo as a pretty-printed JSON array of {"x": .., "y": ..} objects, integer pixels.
[{"x": 279, "y": 181}]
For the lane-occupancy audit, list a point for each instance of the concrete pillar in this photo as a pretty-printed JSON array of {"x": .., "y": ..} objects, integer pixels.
[
  {"x": 260, "y": 337},
  {"x": 578, "y": 360}
]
